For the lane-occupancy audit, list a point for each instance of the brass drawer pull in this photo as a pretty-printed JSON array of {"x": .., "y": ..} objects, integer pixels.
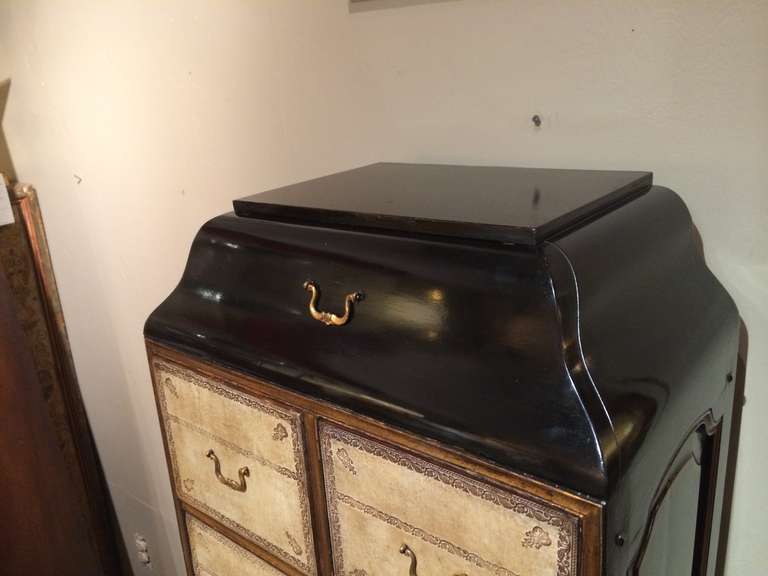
[
  {"x": 242, "y": 473},
  {"x": 406, "y": 551},
  {"x": 328, "y": 318}
]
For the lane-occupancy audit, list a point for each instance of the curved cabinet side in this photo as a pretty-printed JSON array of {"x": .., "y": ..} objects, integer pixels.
[
  {"x": 566, "y": 295},
  {"x": 458, "y": 342},
  {"x": 660, "y": 337}
]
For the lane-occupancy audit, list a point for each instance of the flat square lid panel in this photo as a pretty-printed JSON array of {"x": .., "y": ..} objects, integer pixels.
[{"x": 510, "y": 205}]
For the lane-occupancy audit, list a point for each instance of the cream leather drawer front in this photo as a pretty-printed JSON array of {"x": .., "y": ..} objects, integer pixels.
[
  {"x": 239, "y": 459},
  {"x": 215, "y": 555},
  {"x": 381, "y": 498}
]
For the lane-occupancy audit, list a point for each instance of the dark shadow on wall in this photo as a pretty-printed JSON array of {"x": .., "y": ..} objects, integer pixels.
[
  {"x": 366, "y": 5},
  {"x": 6, "y": 164}
]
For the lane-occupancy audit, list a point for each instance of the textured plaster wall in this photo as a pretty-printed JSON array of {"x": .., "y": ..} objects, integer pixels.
[{"x": 138, "y": 120}]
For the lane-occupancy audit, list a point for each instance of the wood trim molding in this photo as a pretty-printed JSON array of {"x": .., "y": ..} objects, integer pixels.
[
  {"x": 72, "y": 425},
  {"x": 176, "y": 501},
  {"x": 588, "y": 511},
  {"x": 317, "y": 495}
]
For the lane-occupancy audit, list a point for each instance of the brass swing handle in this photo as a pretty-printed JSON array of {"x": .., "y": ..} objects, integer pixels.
[
  {"x": 406, "y": 551},
  {"x": 328, "y": 318},
  {"x": 228, "y": 482}
]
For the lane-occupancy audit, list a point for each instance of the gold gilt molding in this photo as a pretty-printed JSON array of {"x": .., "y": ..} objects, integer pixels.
[{"x": 26, "y": 261}]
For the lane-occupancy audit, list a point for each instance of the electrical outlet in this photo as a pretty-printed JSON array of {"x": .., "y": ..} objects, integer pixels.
[{"x": 142, "y": 550}]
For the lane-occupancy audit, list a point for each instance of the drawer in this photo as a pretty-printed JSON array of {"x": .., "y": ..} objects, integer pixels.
[
  {"x": 239, "y": 459},
  {"x": 387, "y": 507},
  {"x": 215, "y": 555}
]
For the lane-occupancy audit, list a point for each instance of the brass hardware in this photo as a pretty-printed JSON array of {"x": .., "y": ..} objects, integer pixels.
[
  {"x": 406, "y": 551},
  {"x": 328, "y": 318},
  {"x": 235, "y": 485}
]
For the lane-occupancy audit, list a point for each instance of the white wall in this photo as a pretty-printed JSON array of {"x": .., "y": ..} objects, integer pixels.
[{"x": 139, "y": 120}]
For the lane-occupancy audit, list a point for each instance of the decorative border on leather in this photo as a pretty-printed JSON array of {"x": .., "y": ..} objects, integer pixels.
[
  {"x": 290, "y": 418},
  {"x": 195, "y": 525},
  {"x": 566, "y": 525}
]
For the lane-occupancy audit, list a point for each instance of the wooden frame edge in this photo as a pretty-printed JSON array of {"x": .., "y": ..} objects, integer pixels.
[
  {"x": 317, "y": 499},
  {"x": 102, "y": 523},
  {"x": 176, "y": 501}
]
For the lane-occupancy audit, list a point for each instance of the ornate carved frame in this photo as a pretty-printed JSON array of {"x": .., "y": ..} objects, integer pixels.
[{"x": 29, "y": 261}]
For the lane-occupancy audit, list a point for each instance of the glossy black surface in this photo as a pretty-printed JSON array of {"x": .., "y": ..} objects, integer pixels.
[
  {"x": 510, "y": 205},
  {"x": 455, "y": 342},
  {"x": 660, "y": 337},
  {"x": 587, "y": 360}
]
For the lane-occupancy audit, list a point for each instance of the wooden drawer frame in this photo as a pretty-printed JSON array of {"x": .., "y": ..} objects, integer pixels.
[{"x": 588, "y": 511}]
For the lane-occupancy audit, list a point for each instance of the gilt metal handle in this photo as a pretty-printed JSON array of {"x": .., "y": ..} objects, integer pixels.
[
  {"x": 328, "y": 318},
  {"x": 406, "y": 551},
  {"x": 228, "y": 482}
]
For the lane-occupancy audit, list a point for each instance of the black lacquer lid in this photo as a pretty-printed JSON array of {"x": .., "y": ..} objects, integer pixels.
[{"x": 502, "y": 204}]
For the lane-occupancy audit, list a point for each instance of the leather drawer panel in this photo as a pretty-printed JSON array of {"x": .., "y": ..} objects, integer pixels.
[
  {"x": 200, "y": 413},
  {"x": 380, "y": 498},
  {"x": 215, "y": 555}
]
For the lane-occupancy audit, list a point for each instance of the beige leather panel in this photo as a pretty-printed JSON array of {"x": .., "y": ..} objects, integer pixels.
[
  {"x": 380, "y": 498},
  {"x": 201, "y": 413},
  {"x": 216, "y": 555}
]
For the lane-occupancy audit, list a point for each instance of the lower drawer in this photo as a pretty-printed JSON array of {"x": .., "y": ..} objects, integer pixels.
[
  {"x": 215, "y": 555},
  {"x": 389, "y": 508}
]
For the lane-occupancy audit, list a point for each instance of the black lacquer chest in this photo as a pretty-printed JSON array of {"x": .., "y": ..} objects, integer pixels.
[{"x": 542, "y": 354}]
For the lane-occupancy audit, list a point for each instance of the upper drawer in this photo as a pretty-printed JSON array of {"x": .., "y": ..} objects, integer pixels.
[
  {"x": 387, "y": 507},
  {"x": 239, "y": 459}
]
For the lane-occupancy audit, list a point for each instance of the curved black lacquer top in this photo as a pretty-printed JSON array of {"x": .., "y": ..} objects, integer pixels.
[
  {"x": 510, "y": 205},
  {"x": 578, "y": 360}
]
